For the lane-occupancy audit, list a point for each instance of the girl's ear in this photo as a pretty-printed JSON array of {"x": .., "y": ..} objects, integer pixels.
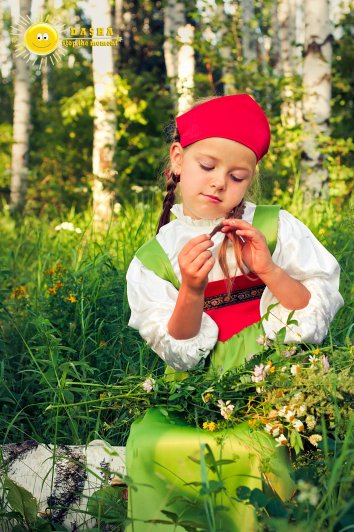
[{"x": 176, "y": 157}]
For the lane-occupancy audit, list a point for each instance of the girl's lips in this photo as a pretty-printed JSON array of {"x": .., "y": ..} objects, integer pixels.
[{"x": 214, "y": 199}]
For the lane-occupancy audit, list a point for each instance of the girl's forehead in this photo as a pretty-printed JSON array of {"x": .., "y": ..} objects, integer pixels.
[{"x": 222, "y": 149}]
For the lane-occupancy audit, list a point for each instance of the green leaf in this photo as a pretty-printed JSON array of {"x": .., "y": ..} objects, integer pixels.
[
  {"x": 276, "y": 509},
  {"x": 106, "y": 504},
  {"x": 21, "y": 501},
  {"x": 243, "y": 493},
  {"x": 258, "y": 499}
]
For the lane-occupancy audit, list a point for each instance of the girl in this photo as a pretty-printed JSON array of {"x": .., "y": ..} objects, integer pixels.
[{"x": 188, "y": 307}]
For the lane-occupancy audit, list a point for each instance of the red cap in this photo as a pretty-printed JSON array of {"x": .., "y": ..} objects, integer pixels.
[{"x": 237, "y": 117}]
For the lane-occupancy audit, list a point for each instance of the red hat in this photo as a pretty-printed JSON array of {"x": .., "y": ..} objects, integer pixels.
[{"x": 237, "y": 117}]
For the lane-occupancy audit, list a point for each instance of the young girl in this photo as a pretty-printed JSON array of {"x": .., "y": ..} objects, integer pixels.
[{"x": 188, "y": 307}]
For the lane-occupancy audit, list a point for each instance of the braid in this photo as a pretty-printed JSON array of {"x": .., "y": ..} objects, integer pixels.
[
  {"x": 236, "y": 213},
  {"x": 169, "y": 199}
]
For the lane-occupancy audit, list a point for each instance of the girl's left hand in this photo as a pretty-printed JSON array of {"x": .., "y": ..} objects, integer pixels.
[{"x": 255, "y": 252}]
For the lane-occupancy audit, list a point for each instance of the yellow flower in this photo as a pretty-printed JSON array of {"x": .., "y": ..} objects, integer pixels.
[
  {"x": 209, "y": 426},
  {"x": 52, "y": 291},
  {"x": 19, "y": 293},
  {"x": 58, "y": 284},
  {"x": 316, "y": 351},
  {"x": 207, "y": 397},
  {"x": 102, "y": 343},
  {"x": 72, "y": 298}
]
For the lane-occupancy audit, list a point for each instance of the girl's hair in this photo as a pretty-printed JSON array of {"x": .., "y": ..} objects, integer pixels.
[{"x": 172, "y": 180}]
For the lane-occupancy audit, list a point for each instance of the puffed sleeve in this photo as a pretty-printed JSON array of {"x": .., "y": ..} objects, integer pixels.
[
  {"x": 152, "y": 301},
  {"x": 304, "y": 258}
]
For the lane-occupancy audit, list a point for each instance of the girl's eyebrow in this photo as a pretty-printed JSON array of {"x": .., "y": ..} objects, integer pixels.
[{"x": 218, "y": 160}]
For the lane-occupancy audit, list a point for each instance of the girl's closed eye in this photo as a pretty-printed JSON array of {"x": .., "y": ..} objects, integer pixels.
[{"x": 209, "y": 168}]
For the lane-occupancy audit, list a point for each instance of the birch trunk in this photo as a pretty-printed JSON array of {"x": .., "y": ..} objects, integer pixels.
[
  {"x": 249, "y": 37},
  {"x": 118, "y": 30},
  {"x": 227, "y": 57},
  {"x": 290, "y": 110},
  {"x": 317, "y": 97},
  {"x": 62, "y": 477},
  {"x": 104, "y": 124},
  {"x": 179, "y": 54},
  {"x": 4, "y": 59},
  {"x": 20, "y": 121},
  {"x": 174, "y": 18}
]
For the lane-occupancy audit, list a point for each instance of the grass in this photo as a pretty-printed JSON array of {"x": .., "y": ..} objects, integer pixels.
[{"x": 48, "y": 340}]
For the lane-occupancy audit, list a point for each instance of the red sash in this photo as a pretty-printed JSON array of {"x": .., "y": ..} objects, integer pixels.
[{"x": 237, "y": 311}]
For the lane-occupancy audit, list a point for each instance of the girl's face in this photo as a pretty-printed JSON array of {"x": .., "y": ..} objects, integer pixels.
[{"x": 214, "y": 175}]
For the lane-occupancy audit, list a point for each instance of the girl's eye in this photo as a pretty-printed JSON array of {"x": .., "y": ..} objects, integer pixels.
[
  {"x": 207, "y": 168},
  {"x": 236, "y": 179}
]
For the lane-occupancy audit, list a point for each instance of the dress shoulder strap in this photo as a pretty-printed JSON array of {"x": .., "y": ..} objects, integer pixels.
[
  {"x": 153, "y": 256},
  {"x": 266, "y": 220}
]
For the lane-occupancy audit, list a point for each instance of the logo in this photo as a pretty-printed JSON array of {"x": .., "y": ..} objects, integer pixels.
[
  {"x": 35, "y": 40},
  {"x": 44, "y": 40}
]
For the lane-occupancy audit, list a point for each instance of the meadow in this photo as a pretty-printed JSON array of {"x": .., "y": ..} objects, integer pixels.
[{"x": 71, "y": 370}]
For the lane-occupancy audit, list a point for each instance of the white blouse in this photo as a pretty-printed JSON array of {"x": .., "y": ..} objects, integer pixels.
[{"x": 152, "y": 299}]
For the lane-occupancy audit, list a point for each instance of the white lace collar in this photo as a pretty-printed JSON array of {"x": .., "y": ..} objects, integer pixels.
[{"x": 177, "y": 210}]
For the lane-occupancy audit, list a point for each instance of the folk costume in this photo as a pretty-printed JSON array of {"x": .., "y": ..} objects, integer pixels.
[{"x": 162, "y": 451}]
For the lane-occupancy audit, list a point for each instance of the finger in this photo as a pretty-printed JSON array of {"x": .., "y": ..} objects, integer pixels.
[
  {"x": 236, "y": 222},
  {"x": 198, "y": 262},
  {"x": 192, "y": 253}
]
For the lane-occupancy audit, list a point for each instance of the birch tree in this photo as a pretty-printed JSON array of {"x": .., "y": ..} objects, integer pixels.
[
  {"x": 286, "y": 65},
  {"x": 21, "y": 118},
  {"x": 179, "y": 54},
  {"x": 317, "y": 97},
  {"x": 104, "y": 124},
  {"x": 249, "y": 36},
  {"x": 227, "y": 56}
]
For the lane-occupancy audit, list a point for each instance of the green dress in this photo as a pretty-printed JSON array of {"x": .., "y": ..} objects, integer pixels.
[{"x": 164, "y": 455}]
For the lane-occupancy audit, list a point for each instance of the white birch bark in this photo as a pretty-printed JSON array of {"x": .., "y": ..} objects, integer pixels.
[
  {"x": 317, "y": 97},
  {"x": 228, "y": 59},
  {"x": 61, "y": 478},
  {"x": 21, "y": 119},
  {"x": 118, "y": 30},
  {"x": 5, "y": 63},
  {"x": 174, "y": 18},
  {"x": 104, "y": 125},
  {"x": 186, "y": 66},
  {"x": 288, "y": 58},
  {"x": 249, "y": 37}
]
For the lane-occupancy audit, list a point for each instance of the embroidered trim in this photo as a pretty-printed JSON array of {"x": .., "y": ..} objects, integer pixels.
[{"x": 237, "y": 296}]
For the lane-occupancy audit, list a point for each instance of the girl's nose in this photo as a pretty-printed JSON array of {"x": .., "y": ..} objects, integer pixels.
[{"x": 218, "y": 181}]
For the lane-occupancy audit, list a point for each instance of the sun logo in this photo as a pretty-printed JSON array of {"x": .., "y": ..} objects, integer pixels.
[{"x": 39, "y": 39}]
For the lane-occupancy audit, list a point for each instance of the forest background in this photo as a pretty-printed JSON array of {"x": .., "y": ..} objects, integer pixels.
[
  {"x": 81, "y": 172},
  {"x": 82, "y": 158}
]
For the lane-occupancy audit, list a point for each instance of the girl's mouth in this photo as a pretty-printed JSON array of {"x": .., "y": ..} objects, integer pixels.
[{"x": 213, "y": 199}]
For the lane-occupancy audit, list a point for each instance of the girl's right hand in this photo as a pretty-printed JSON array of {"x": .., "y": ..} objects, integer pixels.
[{"x": 195, "y": 262}]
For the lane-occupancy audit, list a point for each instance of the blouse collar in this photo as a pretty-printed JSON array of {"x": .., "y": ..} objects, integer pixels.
[{"x": 177, "y": 210}]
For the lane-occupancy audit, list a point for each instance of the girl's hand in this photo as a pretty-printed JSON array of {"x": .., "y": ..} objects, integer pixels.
[
  {"x": 255, "y": 252},
  {"x": 195, "y": 262}
]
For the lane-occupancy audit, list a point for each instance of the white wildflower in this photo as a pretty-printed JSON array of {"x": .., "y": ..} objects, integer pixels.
[
  {"x": 117, "y": 208},
  {"x": 281, "y": 440},
  {"x": 263, "y": 340},
  {"x": 225, "y": 408},
  {"x": 148, "y": 384},
  {"x": 276, "y": 431},
  {"x": 260, "y": 372},
  {"x": 314, "y": 360},
  {"x": 301, "y": 410},
  {"x": 310, "y": 422},
  {"x": 283, "y": 369},
  {"x": 67, "y": 226},
  {"x": 295, "y": 369},
  {"x": 325, "y": 362},
  {"x": 136, "y": 188},
  {"x": 308, "y": 493},
  {"x": 298, "y": 425},
  {"x": 314, "y": 439},
  {"x": 268, "y": 428},
  {"x": 290, "y": 415}
]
